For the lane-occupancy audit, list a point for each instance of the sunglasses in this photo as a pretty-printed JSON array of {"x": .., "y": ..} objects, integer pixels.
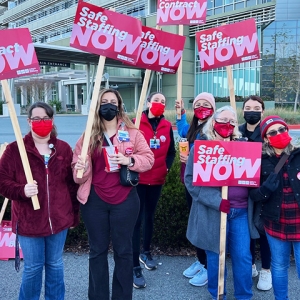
[{"x": 275, "y": 132}]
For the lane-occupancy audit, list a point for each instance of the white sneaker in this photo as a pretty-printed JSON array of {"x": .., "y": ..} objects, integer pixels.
[
  {"x": 254, "y": 271},
  {"x": 264, "y": 281},
  {"x": 200, "y": 278},
  {"x": 191, "y": 271}
]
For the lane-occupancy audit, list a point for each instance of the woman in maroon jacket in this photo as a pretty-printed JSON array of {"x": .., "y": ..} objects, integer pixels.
[
  {"x": 159, "y": 136},
  {"x": 42, "y": 233}
]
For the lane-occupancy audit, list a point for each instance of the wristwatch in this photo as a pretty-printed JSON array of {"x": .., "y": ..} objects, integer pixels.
[{"x": 131, "y": 162}]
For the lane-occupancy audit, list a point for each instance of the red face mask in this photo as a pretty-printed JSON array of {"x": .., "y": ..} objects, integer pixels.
[
  {"x": 157, "y": 109},
  {"x": 42, "y": 128},
  {"x": 280, "y": 141},
  {"x": 225, "y": 130},
  {"x": 203, "y": 112}
]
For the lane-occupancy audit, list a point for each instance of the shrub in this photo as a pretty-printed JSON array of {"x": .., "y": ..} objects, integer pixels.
[
  {"x": 172, "y": 212},
  {"x": 57, "y": 103},
  {"x": 1, "y": 107}
]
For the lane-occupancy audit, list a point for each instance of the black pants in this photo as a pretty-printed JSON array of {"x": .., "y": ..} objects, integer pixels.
[
  {"x": 149, "y": 196},
  {"x": 102, "y": 221},
  {"x": 201, "y": 254},
  {"x": 265, "y": 252}
]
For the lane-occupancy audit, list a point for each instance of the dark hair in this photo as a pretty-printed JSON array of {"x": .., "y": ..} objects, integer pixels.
[
  {"x": 254, "y": 98},
  {"x": 152, "y": 94},
  {"x": 49, "y": 112},
  {"x": 194, "y": 129}
]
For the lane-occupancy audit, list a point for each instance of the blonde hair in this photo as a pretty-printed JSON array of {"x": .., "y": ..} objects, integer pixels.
[
  {"x": 98, "y": 127},
  {"x": 208, "y": 129}
]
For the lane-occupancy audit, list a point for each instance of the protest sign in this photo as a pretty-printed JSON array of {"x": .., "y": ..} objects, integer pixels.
[
  {"x": 221, "y": 163},
  {"x": 106, "y": 33},
  {"x": 185, "y": 12},
  {"x": 227, "y": 45},
  {"x": 17, "y": 54},
  {"x": 160, "y": 51}
]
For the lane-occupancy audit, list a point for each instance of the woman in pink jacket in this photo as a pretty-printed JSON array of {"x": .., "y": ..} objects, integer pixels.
[{"x": 109, "y": 209}]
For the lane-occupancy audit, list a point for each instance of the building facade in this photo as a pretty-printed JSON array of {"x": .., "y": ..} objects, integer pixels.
[{"x": 50, "y": 22}]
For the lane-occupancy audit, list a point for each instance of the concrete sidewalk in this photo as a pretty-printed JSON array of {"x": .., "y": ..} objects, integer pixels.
[{"x": 165, "y": 283}]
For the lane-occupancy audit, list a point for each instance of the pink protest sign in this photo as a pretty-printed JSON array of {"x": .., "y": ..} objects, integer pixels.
[
  {"x": 106, "y": 33},
  {"x": 219, "y": 163},
  {"x": 17, "y": 54},
  {"x": 7, "y": 241},
  {"x": 160, "y": 51},
  {"x": 187, "y": 12},
  {"x": 227, "y": 45}
]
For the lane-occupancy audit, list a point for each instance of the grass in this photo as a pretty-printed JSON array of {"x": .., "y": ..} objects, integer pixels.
[{"x": 288, "y": 115}]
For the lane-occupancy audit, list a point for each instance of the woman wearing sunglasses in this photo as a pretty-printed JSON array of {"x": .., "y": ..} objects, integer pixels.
[
  {"x": 280, "y": 196},
  {"x": 204, "y": 220}
]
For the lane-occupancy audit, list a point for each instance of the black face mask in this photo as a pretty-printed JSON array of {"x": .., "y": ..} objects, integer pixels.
[
  {"x": 108, "y": 111},
  {"x": 252, "y": 117}
]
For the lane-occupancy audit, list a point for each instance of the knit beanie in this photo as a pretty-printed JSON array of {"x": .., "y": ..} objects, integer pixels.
[
  {"x": 269, "y": 121},
  {"x": 208, "y": 97}
]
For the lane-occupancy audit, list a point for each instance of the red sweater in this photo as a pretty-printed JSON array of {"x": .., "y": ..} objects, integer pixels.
[{"x": 57, "y": 195}]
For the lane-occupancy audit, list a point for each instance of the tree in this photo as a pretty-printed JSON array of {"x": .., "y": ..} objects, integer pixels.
[
  {"x": 36, "y": 89},
  {"x": 284, "y": 60}
]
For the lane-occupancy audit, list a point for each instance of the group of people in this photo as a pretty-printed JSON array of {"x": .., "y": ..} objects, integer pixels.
[{"x": 115, "y": 212}]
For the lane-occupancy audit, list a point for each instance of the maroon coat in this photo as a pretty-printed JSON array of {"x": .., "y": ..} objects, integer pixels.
[{"x": 59, "y": 208}]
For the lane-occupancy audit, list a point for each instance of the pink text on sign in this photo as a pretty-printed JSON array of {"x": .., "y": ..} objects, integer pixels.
[
  {"x": 17, "y": 54},
  {"x": 226, "y": 163},
  {"x": 106, "y": 33},
  {"x": 228, "y": 44},
  {"x": 181, "y": 12},
  {"x": 160, "y": 51}
]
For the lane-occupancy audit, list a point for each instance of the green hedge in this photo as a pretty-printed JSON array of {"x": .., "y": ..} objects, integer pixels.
[{"x": 170, "y": 219}]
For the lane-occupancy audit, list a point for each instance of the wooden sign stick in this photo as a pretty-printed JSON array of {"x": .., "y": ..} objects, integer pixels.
[
  {"x": 17, "y": 131},
  {"x": 224, "y": 196},
  {"x": 93, "y": 104},
  {"x": 4, "y": 205},
  {"x": 179, "y": 80},
  {"x": 143, "y": 94},
  {"x": 222, "y": 255},
  {"x": 142, "y": 98}
]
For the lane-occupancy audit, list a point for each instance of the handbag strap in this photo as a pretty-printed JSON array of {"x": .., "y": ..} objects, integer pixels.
[
  {"x": 281, "y": 163},
  {"x": 108, "y": 139}
]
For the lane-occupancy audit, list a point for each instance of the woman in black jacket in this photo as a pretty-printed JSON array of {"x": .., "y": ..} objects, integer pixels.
[
  {"x": 280, "y": 196},
  {"x": 253, "y": 110}
]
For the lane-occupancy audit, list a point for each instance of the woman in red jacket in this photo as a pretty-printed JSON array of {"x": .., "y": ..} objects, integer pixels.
[
  {"x": 159, "y": 135},
  {"x": 42, "y": 233}
]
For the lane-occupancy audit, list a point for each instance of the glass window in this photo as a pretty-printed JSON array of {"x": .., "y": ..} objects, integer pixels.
[
  {"x": 228, "y": 8},
  {"x": 218, "y": 3},
  {"x": 239, "y": 5},
  {"x": 250, "y": 3}
]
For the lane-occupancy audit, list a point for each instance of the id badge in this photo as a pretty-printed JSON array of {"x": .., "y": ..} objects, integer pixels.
[
  {"x": 123, "y": 136},
  {"x": 154, "y": 143}
]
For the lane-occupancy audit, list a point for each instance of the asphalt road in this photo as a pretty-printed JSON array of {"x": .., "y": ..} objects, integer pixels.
[{"x": 165, "y": 283}]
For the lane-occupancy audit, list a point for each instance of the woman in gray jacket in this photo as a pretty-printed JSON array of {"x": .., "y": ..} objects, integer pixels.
[{"x": 204, "y": 220}]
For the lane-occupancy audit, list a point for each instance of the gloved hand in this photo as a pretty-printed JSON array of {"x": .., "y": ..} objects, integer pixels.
[
  {"x": 225, "y": 206},
  {"x": 270, "y": 185}
]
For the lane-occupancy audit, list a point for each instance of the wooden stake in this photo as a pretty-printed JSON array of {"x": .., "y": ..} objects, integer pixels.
[
  {"x": 179, "y": 80},
  {"x": 17, "y": 131},
  {"x": 93, "y": 104},
  {"x": 222, "y": 255},
  {"x": 142, "y": 98},
  {"x": 231, "y": 87}
]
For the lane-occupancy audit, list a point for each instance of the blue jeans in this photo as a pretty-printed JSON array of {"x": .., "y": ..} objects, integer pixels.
[
  {"x": 280, "y": 263},
  {"x": 39, "y": 252},
  {"x": 238, "y": 244}
]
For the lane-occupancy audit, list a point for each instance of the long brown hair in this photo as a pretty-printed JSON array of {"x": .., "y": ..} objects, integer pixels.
[{"x": 98, "y": 127}]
